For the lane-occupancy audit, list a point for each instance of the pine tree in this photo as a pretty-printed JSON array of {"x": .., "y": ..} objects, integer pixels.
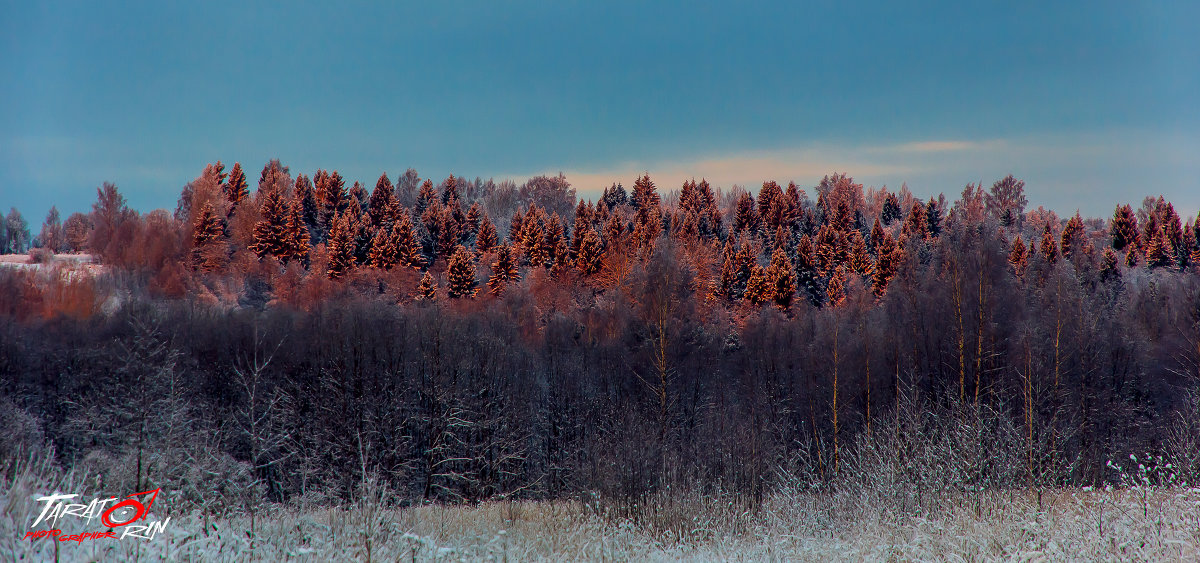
[
  {"x": 341, "y": 247},
  {"x": 583, "y": 221},
  {"x": 876, "y": 236},
  {"x": 807, "y": 274},
  {"x": 837, "y": 287},
  {"x": 270, "y": 233},
  {"x": 1124, "y": 228},
  {"x": 448, "y": 231},
  {"x": 933, "y": 217},
  {"x": 461, "y": 273},
  {"x": 553, "y": 240},
  {"x": 504, "y": 270},
  {"x": 236, "y": 189},
  {"x": 486, "y": 239},
  {"x": 303, "y": 193},
  {"x": 532, "y": 241},
  {"x": 782, "y": 279},
  {"x": 383, "y": 252},
  {"x": 474, "y": 218},
  {"x": 1072, "y": 235},
  {"x": 759, "y": 288},
  {"x": 428, "y": 289},
  {"x": 1049, "y": 245},
  {"x": 332, "y": 199},
  {"x": 591, "y": 254},
  {"x": 408, "y": 248},
  {"x": 1019, "y": 257},
  {"x": 829, "y": 251},
  {"x": 1131, "y": 256},
  {"x": 723, "y": 285},
  {"x": 1108, "y": 266},
  {"x": 295, "y": 232}
]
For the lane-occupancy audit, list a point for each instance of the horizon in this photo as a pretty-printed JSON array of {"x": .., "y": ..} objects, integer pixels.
[{"x": 1091, "y": 105}]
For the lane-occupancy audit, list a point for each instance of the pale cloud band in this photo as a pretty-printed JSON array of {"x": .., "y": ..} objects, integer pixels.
[{"x": 1088, "y": 172}]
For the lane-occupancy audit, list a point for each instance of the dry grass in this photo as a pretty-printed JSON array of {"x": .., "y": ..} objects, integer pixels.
[{"x": 1136, "y": 523}]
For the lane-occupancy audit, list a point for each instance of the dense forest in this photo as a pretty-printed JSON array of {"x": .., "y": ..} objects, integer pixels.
[{"x": 470, "y": 340}]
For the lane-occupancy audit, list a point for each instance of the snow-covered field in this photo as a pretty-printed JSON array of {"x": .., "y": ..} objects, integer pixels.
[{"x": 1129, "y": 524}]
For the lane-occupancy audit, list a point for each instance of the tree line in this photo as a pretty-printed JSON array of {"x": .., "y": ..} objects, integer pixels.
[{"x": 467, "y": 340}]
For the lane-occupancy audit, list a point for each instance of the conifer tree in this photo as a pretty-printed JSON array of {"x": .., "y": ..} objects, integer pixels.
[
  {"x": 876, "y": 236},
  {"x": 1072, "y": 235},
  {"x": 645, "y": 200},
  {"x": 303, "y": 194},
  {"x": 583, "y": 221},
  {"x": 341, "y": 247},
  {"x": 837, "y": 287},
  {"x": 504, "y": 270},
  {"x": 723, "y": 285},
  {"x": 449, "y": 190},
  {"x": 219, "y": 167},
  {"x": 782, "y": 279},
  {"x": 473, "y": 221},
  {"x": 206, "y": 233},
  {"x": 891, "y": 209},
  {"x": 1108, "y": 266},
  {"x": 807, "y": 274},
  {"x": 428, "y": 289},
  {"x": 746, "y": 217},
  {"x": 383, "y": 252},
  {"x": 333, "y": 199},
  {"x": 425, "y": 197},
  {"x": 829, "y": 249},
  {"x": 295, "y": 233},
  {"x": 514, "y": 230},
  {"x": 886, "y": 266},
  {"x": 1131, "y": 256},
  {"x": 591, "y": 254},
  {"x": 860, "y": 258},
  {"x": 1158, "y": 252},
  {"x": 759, "y": 288},
  {"x": 1123, "y": 228},
  {"x": 1018, "y": 257},
  {"x": 553, "y": 240},
  {"x": 532, "y": 239},
  {"x": 916, "y": 225},
  {"x": 933, "y": 216},
  {"x": 408, "y": 248},
  {"x": 1049, "y": 245},
  {"x": 448, "y": 231},
  {"x": 383, "y": 207},
  {"x": 486, "y": 239},
  {"x": 461, "y": 274},
  {"x": 236, "y": 189},
  {"x": 270, "y": 233}
]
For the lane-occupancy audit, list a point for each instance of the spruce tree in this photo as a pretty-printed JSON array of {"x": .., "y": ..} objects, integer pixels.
[
  {"x": 1158, "y": 252},
  {"x": 428, "y": 289},
  {"x": 645, "y": 200},
  {"x": 474, "y": 218},
  {"x": 383, "y": 252},
  {"x": 341, "y": 247},
  {"x": 504, "y": 270},
  {"x": 886, "y": 266},
  {"x": 808, "y": 277},
  {"x": 891, "y": 209},
  {"x": 1108, "y": 266},
  {"x": 408, "y": 248},
  {"x": 1018, "y": 257},
  {"x": 236, "y": 189},
  {"x": 486, "y": 239},
  {"x": 303, "y": 194},
  {"x": 1072, "y": 235},
  {"x": 461, "y": 274},
  {"x": 425, "y": 197},
  {"x": 206, "y": 233},
  {"x": 591, "y": 254},
  {"x": 296, "y": 233},
  {"x": 876, "y": 236},
  {"x": 860, "y": 258},
  {"x": 1123, "y": 228},
  {"x": 916, "y": 225},
  {"x": 270, "y": 233},
  {"x": 383, "y": 208},
  {"x": 837, "y": 287},
  {"x": 782, "y": 278},
  {"x": 759, "y": 288},
  {"x": 1049, "y": 245},
  {"x": 746, "y": 217},
  {"x": 449, "y": 190},
  {"x": 515, "y": 225}
]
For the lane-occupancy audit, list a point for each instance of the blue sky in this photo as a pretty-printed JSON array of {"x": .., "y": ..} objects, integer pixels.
[{"x": 1091, "y": 103}]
